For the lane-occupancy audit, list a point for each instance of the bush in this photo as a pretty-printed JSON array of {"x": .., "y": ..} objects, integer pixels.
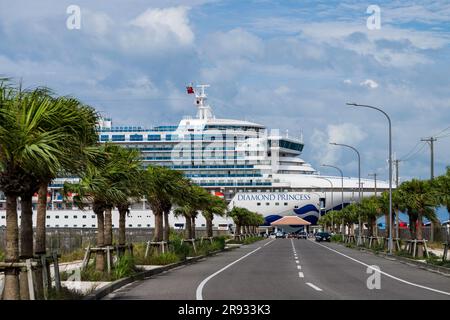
[
  {"x": 336, "y": 238},
  {"x": 125, "y": 267},
  {"x": 181, "y": 249},
  {"x": 2, "y": 256}
]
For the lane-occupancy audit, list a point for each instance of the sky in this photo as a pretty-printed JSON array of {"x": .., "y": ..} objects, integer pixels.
[{"x": 290, "y": 65}]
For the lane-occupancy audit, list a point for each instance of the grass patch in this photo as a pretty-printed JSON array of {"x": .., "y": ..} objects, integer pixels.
[
  {"x": 64, "y": 294},
  {"x": 336, "y": 238},
  {"x": 162, "y": 259},
  {"x": 125, "y": 267},
  {"x": 249, "y": 240},
  {"x": 73, "y": 256}
]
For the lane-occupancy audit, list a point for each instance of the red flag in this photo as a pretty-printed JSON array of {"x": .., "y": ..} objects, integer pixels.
[
  {"x": 219, "y": 194},
  {"x": 190, "y": 90}
]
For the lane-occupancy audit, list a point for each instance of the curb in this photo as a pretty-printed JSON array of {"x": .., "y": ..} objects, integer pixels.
[
  {"x": 444, "y": 271},
  {"x": 113, "y": 286}
]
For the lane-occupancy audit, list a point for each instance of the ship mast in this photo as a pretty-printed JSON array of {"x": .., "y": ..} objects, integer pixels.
[{"x": 204, "y": 110}]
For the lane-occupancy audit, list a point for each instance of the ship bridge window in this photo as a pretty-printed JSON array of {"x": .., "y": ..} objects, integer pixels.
[
  {"x": 136, "y": 137},
  {"x": 118, "y": 137},
  {"x": 154, "y": 137},
  {"x": 291, "y": 145}
]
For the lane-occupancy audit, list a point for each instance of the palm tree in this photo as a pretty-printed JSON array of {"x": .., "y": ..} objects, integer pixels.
[
  {"x": 441, "y": 191},
  {"x": 162, "y": 185},
  {"x": 26, "y": 148},
  {"x": 216, "y": 206},
  {"x": 369, "y": 209},
  {"x": 186, "y": 211},
  {"x": 420, "y": 201},
  {"x": 200, "y": 201},
  {"x": 98, "y": 187},
  {"x": 239, "y": 216},
  {"x": 78, "y": 123}
]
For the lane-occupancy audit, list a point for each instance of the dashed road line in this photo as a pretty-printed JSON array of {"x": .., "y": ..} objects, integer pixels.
[
  {"x": 300, "y": 274},
  {"x": 386, "y": 274},
  {"x": 313, "y": 286}
]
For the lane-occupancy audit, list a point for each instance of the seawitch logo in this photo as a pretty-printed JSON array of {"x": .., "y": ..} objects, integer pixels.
[{"x": 273, "y": 197}]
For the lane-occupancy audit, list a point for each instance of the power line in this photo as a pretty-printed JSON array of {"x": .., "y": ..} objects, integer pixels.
[
  {"x": 440, "y": 132},
  {"x": 415, "y": 153}
]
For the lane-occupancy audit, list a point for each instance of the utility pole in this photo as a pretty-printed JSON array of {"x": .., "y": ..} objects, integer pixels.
[
  {"x": 397, "y": 218},
  {"x": 431, "y": 141},
  {"x": 374, "y": 175}
]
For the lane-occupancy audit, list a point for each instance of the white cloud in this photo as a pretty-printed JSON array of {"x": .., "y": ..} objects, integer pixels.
[
  {"x": 369, "y": 83},
  {"x": 158, "y": 28},
  {"x": 347, "y": 81},
  {"x": 236, "y": 43},
  {"x": 347, "y": 133}
]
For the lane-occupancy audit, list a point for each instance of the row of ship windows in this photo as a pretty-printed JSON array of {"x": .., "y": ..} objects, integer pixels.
[
  {"x": 92, "y": 226},
  {"x": 73, "y": 217},
  {"x": 276, "y": 203},
  {"x": 168, "y": 137}
]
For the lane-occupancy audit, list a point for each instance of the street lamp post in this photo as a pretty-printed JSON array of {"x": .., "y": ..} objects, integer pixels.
[
  {"x": 342, "y": 187},
  {"x": 332, "y": 199},
  {"x": 359, "y": 183},
  {"x": 390, "y": 243},
  {"x": 320, "y": 207}
]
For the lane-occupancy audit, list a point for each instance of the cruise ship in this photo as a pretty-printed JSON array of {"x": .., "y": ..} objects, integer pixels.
[{"x": 244, "y": 162}]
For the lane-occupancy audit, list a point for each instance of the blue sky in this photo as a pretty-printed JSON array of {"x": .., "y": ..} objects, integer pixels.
[{"x": 286, "y": 64}]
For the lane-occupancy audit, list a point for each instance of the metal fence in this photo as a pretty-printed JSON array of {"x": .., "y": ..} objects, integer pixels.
[{"x": 69, "y": 239}]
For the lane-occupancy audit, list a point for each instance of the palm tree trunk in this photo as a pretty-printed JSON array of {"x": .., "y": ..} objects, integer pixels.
[
  {"x": 26, "y": 226},
  {"x": 419, "y": 234},
  {"x": 188, "y": 228},
  {"x": 26, "y": 241},
  {"x": 40, "y": 247},
  {"x": 100, "y": 255},
  {"x": 388, "y": 225},
  {"x": 122, "y": 218},
  {"x": 11, "y": 287},
  {"x": 193, "y": 228},
  {"x": 158, "y": 226},
  {"x": 108, "y": 227},
  {"x": 209, "y": 227},
  {"x": 166, "y": 226},
  {"x": 40, "y": 244},
  {"x": 238, "y": 230}
]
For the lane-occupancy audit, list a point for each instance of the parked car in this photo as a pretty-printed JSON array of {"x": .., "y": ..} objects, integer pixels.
[
  {"x": 323, "y": 236},
  {"x": 279, "y": 234},
  {"x": 302, "y": 235}
]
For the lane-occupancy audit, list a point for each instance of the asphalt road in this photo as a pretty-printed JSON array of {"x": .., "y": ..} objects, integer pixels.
[{"x": 290, "y": 269}]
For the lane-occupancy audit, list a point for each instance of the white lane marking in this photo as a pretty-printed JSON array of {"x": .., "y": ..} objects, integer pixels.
[
  {"x": 297, "y": 262},
  {"x": 386, "y": 274},
  {"x": 300, "y": 274},
  {"x": 269, "y": 242},
  {"x": 299, "y": 267},
  {"x": 313, "y": 286},
  {"x": 199, "y": 290}
]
